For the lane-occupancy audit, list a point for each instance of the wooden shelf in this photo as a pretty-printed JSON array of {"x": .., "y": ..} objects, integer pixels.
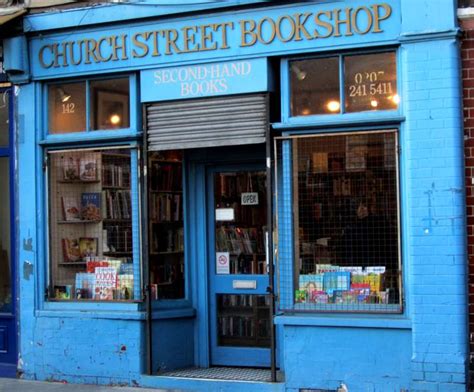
[
  {"x": 82, "y": 222},
  {"x": 117, "y": 253},
  {"x": 78, "y": 181}
]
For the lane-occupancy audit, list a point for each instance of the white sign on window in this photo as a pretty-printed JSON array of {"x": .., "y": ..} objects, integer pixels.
[
  {"x": 222, "y": 263},
  {"x": 224, "y": 214},
  {"x": 249, "y": 199}
]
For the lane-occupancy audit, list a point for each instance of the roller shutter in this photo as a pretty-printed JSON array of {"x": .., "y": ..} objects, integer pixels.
[{"x": 207, "y": 122}]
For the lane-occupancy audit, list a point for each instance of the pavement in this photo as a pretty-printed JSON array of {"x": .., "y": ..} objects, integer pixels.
[{"x": 15, "y": 385}]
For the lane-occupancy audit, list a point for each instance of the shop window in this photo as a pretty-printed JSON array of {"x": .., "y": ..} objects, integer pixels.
[
  {"x": 165, "y": 224},
  {"x": 369, "y": 83},
  {"x": 346, "y": 226},
  {"x": 106, "y": 103},
  {"x": 90, "y": 219}
]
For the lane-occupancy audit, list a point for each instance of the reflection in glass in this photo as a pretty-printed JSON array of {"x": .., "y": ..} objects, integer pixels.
[
  {"x": 4, "y": 119},
  {"x": 371, "y": 82},
  {"x": 67, "y": 107},
  {"x": 5, "y": 273},
  {"x": 314, "y": 86},
  {"x": 110, "y": 104}
]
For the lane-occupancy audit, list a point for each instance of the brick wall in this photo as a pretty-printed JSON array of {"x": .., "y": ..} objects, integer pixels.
[{"x": 467, "y": 52}]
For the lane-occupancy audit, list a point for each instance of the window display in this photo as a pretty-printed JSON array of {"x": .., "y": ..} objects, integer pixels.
[
  {"x": 346, "y": 222},
  {"x": 90, "y": 218}
]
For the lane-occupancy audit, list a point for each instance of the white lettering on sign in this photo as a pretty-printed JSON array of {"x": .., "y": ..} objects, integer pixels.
[
  {"x": 249, "y": 199},
  {"x": 201, "y": 80},
  {"x": 222, "y": 263},
  {"x": 224, "y": 214}
]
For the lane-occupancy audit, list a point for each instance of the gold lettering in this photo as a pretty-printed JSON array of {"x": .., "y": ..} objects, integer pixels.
[
  {"x": 170, "y": 41},
  {"x": 355, "y": 24},
  {"x": 300, "y": 27},
  {"x": 156, "y": 52},
  {"x": 41, "y": 56},
  {"x": 116, "y": 47},
  {"x": 141, "y": 45},
  {"x": 346, "y": 21},
  {"x": 58, "y": 55},
  {"x": 244, "y": 32},
  {"x": 260, "y": 30},
  {"x": 99, "y": 52},
  {"x": 322, "y": 23},
  {"x": 189, "y": 39},
  {"x": 205, "y": 36},
  {"x": 378, "y": 17},
  {"x": 223, "y": 27},
  {"x": 279, "y": 28},
  {"x": 90, "y": 45},
  {"x": 71, "y": 52}
]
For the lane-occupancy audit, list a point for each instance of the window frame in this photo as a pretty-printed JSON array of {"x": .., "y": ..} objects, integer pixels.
[
  {"x": 129, "y": 137},
  {"x": 88, "y": 133},
  {"x": 342, "y": 117},
  {"x": 288, "y": 252}
]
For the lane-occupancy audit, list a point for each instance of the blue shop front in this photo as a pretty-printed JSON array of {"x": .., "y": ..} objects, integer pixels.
[{"x": 242, "y": 195}]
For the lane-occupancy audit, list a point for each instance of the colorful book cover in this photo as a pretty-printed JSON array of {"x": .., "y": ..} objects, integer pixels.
[
  {"x": 62, "y": 292},
  {"x": 105, "y": 283},
  {"x": 125, "y": 285},
  {"x": 336, "y": 281},
  {"x": 71, "y": 250},
  {"x": 88, "y": 246},
  {"x": 88, "y": 169},
  {"x": 92, "y": 265},
  {"x": 71, "y": 211},
  {"x": 311, "y": 282},
  {"x": 85, "y": 283},
  {"x": 90, "y": 206}
]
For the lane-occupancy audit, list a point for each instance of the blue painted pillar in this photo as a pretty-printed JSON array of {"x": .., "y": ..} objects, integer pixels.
[{"x": 434, "y": 215}]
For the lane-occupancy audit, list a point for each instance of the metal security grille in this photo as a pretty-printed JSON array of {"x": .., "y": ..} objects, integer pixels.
[
  {"x": 208, "y": 122},
  {"x": 345, "y": 217}
]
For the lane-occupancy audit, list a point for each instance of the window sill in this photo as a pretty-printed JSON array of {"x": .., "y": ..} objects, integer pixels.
[
  {"x": 378, "y": 321},
  {"x": 81, "y": 137}
]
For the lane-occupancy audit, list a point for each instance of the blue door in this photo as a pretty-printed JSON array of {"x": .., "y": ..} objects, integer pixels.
[
  {"x": 239, "y": 315},
  {"x": 8, "y": 342}
]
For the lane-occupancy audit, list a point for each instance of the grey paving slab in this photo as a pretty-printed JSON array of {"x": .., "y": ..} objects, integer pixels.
[{"x": 14, "y": 385}]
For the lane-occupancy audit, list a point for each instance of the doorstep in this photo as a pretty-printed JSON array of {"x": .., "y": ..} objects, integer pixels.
[{"x": 220, "y": 379}]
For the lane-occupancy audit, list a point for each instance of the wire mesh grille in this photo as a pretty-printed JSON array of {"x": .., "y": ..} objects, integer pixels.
[
  {"x": 345, "y": 219},
  {"x": 90, "y": 220}
]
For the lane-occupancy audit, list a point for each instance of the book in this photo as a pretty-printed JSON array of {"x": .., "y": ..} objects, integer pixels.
[
  {"x": 88, "y": 169},
  {"x": 71, "y": 250},
  {"x": 71, "y": 211},
  {"x": 93, "y": 264},
  {"x": 105, "y": 283},
  {"x": 88, "y": 246},
  {"x": 62, "y": 292},
  {"x": 125, "y": 285},
  {"x": 85, "y": 283},
  {"x": 320, "y": 162},
  {"x": 70, "y": 169},
  {"x": 90, "y": 206}
]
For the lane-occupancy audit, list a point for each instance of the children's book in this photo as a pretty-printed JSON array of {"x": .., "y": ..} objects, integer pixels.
[
  {"x": 88, "y": 169},
  {"x": 71, "y": 211},
  {"x": 71, "y": 250},
  {"x": 88, "y": 246},
  {"x": 62, "y": 292},
  {"x": 90, "y": 206}
]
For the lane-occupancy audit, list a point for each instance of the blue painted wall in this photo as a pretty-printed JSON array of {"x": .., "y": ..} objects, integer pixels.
[{"x": 424, "y": 349}]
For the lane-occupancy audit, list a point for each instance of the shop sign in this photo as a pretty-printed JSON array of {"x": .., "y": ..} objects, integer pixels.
[
  {"x": 204, "y": 80},
  {"x": 251, "y": 33},
  {"x": 224, "y": 214},
  {"x": 222, "y": 263},
  {"x": 249, "y": 199}
]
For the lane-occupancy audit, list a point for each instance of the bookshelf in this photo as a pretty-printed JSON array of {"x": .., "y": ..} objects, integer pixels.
[
  {"x": 243, "y": 320},
  {"x": 166, "y": 226},
  {"x": 90, "y": 222}
]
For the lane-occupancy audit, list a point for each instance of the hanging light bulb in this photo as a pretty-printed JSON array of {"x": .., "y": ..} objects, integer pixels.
[
  {"x": 115, "y": 119},
  {"x": 333, "y": 106}
]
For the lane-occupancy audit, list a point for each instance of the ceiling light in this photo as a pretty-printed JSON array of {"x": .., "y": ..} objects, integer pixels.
[{"x": 333, "y": 106}]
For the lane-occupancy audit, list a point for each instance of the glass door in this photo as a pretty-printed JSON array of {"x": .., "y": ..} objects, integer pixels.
[{"x": 239, "y": 305}]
